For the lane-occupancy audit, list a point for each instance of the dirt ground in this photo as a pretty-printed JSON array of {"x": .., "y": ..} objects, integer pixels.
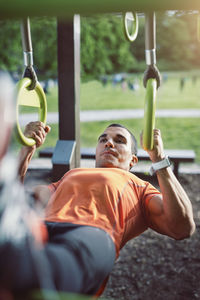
[{"x": 155, "y": 267}]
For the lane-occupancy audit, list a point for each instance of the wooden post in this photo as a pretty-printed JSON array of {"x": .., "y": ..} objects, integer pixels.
[{"x": 69, "y": 97}]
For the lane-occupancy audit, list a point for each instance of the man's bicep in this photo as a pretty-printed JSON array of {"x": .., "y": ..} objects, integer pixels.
[
  {"x": 155, "y": 206},
  {"x": 157, "y": 218}
]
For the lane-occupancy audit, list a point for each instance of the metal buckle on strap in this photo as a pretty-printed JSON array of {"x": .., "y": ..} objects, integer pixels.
[
  {"x": 150, "y": 56},
  {"x": 28, "y": 59}
]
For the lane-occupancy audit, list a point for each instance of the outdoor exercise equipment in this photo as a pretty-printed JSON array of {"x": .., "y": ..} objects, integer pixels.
[
  {"x": 130, "y": 22},
  {"x": 149, "y": 114},
  {"x": 29, "y": 91},
  {"x": 151, "y": 81},
  {"x": 66, "y": 9},
  {"x": 151, "y": 78}
]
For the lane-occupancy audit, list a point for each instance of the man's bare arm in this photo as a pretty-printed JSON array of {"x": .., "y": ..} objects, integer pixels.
[
  {"x": 172, "y": 213},
  {"x": 38, "y": 131}
]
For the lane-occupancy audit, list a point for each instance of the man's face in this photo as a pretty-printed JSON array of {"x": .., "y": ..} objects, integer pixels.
[{"x": 114, "y": 149}]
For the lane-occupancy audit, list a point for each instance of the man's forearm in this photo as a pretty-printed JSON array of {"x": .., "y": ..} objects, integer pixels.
[
  {"x": 176, "y": 204},
  {"x": 25, "y": 156}
]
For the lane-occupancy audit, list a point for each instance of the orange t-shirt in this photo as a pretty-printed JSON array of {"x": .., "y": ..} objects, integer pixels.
[{"x": 109, "y": 198}]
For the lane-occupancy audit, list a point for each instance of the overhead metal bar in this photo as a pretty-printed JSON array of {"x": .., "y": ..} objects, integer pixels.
[{"x": 67, "y": 8}]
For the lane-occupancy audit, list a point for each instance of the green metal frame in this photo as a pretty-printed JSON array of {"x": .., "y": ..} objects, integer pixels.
[
  {"x": 32, "y": 98},
  {"x": 149, "y": 114},
  {"x": 66, "y": 9}
]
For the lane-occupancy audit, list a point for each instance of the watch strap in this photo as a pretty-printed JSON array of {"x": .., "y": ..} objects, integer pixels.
[{"x": 164, "y": 163}]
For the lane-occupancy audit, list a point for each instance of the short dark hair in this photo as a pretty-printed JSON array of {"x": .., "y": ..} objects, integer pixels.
[{"x": 134, "y": 147}]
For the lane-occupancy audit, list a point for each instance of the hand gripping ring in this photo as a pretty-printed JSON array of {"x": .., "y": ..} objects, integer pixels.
[
  {"x": 149, "y": 114},
  {"x": 32, "y": 98},
  {"x": 130, "y": 22}
]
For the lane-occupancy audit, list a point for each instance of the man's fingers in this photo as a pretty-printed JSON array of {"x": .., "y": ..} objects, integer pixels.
[
  {"x": 47, "y": 128},
  {"x": 157, "y": 131},
  {"x": 41, "y": 133},
  {"x": 38, "y": 131},
  {"x": 37, "y": 139}
]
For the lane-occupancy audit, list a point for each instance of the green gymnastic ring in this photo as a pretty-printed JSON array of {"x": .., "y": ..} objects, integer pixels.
[
  {"x": 32, "y": 98},
  {"x": 149, "y": 114},
  {"x": 130, "y": 22}
]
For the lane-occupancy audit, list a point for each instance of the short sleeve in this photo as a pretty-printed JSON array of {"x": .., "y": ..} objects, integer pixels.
[
  {"x": 53, "y": 186},
  {"x": 149, "y": 192}
]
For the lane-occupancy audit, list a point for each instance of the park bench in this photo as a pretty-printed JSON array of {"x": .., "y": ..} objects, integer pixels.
[{"x": 176, "y": 156}]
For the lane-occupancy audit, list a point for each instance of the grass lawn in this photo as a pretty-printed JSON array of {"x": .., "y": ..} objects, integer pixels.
[
  {"x": 96, "y": 97},
  {"x": 180, "y": 133},
  {"x": 177, "y": 133}
]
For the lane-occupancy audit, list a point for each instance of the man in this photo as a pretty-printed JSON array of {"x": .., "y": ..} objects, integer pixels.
[{"x": 91, "y": 213}]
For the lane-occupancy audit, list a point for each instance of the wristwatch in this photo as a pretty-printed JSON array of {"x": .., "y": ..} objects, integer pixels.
[{"x": 160, "y": 165}]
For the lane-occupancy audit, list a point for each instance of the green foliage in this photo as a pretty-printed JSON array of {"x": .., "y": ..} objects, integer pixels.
[
  {"x": 177, "y": 44},
  {"x": 44, "y": 39},
  {"x": 104, "y": 49},
  {"x": 10, "y": 46},
  {"x": 43, "y": 32}
]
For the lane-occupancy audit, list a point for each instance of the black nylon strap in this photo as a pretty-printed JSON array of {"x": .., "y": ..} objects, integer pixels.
[
  {"x": 152, "y": 72},
  {"x": 30, "y": 73},
  {"x": 27, "y": 48}
]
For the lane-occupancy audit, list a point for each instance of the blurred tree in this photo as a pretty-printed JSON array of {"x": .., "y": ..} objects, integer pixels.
[
  {"x": 138, "y": 46},
  {"x": 193, "y": 45},
  {"x": 10, "y": 46},
  {"x": 104, "y": 49},
  {"x": 103, "y": 46},
  {"x": 44, "y": 39},
  {"x": 43, "y": 33},
  {"x": 177, "y": 41}
]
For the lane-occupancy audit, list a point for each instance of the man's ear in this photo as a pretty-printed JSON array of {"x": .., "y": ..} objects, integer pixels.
[{"x": 134, "y": 161}]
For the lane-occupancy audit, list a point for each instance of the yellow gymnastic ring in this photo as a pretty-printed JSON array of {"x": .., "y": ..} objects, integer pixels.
[
  {"x": 149, "y": 114},
  {"x": 32, "y": 98},
  {"x": 130, "y": 22}
]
